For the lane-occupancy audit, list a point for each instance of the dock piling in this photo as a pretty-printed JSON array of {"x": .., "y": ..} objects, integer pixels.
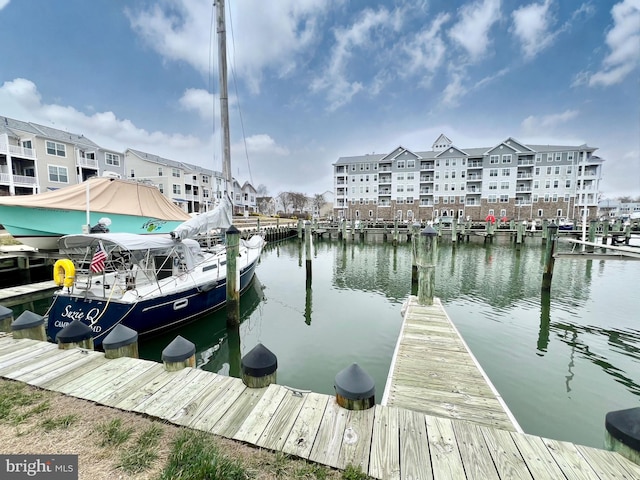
[
  {"x": 179, "y": 354},
  {"x": 355, "y": 388},
  {"x": 6, "y": 318},
  {"x": 259, "y": 367},
  {"x": 75, "y": 334},
  {"x": 427, "y": 251},
  {"x": 121, "y": 342},
  {"x": 623, "y": 433},
  {"x": 29, "y": 325},
  {"x": 233, "y": 280},
  {"x": 549, "y": 260}
]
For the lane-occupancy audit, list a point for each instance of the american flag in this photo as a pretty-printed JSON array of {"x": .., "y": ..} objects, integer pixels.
[{"x": 98, "y": 260}]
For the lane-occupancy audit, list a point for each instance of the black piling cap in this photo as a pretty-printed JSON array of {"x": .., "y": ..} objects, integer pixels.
[
  {"x": 354, "y": 383},
  {"x": 120, "y": 336},
  {"x": 26, "y": 320},
  {"x": 75, "y": 332},
  {"x": 5, "y": 312},
  {"x": 429, "y": 231},
  {"x": 232, "y": 229},
  {"x": 259, "y": 362},
  {"x": 624, "y": 426},
  {"x": 179, "y": 350}
]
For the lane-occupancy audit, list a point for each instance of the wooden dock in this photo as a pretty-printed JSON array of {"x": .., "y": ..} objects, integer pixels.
[
  {"x": 11, "y": 296},
  {"x": 434, "y": 372},
  {"x": 386, "y": 442}
]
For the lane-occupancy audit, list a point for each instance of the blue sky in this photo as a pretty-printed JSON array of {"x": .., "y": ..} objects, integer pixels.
[{"x": 313, "y": 80}]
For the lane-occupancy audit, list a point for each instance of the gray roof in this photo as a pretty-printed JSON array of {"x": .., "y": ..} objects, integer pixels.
[
  {"x": 172, "y": 163},
  {"x": 11, "y": 126},
  {"x": 471, "y": 152}
]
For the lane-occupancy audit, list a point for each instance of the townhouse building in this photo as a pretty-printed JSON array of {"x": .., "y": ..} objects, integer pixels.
[
  {"x": 35, "y": 158},
  {"x": 509, "y": 179}
]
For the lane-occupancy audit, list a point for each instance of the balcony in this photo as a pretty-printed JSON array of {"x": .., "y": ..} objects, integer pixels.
[
  {"x": 523, "y": 189},
  {"x": 87, "y": 163},
  {"x": 426, "y": 166},
  {"x": 474, "y": 178},
  {"x": 426, "y": 179},
  {"x": 426, "y": 203},
  {"x": 524, "y": 175},
  {"x": 21, "y": 180},
  {"x": 16, "y": 151},
  {"x": 525, "y": 162},
  {"x": 425, "y": 191},
  {"x": 475, "y": 164}
]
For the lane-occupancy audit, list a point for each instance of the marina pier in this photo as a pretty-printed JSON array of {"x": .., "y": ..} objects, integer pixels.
[{"x": 467, "y": 434}]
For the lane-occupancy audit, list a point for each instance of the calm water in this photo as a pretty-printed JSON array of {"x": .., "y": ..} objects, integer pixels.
[{"x": 561, "y": 362}]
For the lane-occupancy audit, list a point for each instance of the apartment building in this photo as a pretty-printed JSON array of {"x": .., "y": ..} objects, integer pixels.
[
  {"x": 509, "y": 179},
  {"x": 35, "y": 158},
  {"x": 193, "y": 188}
]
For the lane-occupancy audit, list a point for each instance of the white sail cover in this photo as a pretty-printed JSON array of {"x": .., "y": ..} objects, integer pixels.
[{"x": 219, "y": 217}]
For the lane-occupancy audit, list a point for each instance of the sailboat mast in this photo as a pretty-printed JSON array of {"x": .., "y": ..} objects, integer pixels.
[{"x": 224, "y": 96}]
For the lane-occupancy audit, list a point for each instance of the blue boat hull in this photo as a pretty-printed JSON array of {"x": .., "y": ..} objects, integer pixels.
[{"x": 145, "y": 317}]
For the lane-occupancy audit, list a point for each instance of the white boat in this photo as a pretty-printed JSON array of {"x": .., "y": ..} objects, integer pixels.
[
  {"x": 151, "y": 283},
  {"x": 40, "y": 220}
]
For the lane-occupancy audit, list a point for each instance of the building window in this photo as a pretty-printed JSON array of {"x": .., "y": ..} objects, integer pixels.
[
  {"x": 493, "y": 172},
  {"x": 494, "y": 159},
  {"x": 411, "y": 164},
  {"x": 132, "y": 174},
  {"x": 409, "y": 199},
  {"x": 400, "y": 164},
  {"x": 58, "y": 174},
  {"x": 205, "y": 179},
  {"x": 410, "y": 176},
  {"x": 112, "y": 159},
  {"x": 492, "y": 199},
  {"x": 504, "y": 185},
  {"x": 160, "y": 172},
  {"x": 57, "y": 149},
  {"x": 555, "y": 184},
  {"x": 506, "y": 158},
  {"x": 176, "y": 189},
  {"x": 175, "y": 172},
  {"x": 161, "y": 187},
  {"x": 569, "y": 170},
  {"x": 558, "y": 156},
  {"x": 557, "y": 171},
  {"x": 504, "y": 198},
  {"x": 549, "y": 157},
  {"x": 538, "y": 157},
  {"x": 506, "y": 172}
]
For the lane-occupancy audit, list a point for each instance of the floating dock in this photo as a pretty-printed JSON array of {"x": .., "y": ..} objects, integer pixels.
[{"x": 434, "y": 372}]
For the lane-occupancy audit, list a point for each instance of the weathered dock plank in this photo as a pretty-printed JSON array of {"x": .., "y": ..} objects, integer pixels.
[
  {"x": 238, "y": 412},
  {"x": 173, "y": 395},
  {"x": 505, "y": 454},
  {"x": 304, "y": 430},
  {"x": 385, "y": 444},
  {"x": 34, "y": 361},
  {"x": 135, "y": 369},
  {"x": 535, "y": 454},
  {"x": 356, "y": 440},
  {"x": 25, "y": 354},
  {"x": 326, "y": 447},
  {"x": 570, "y": 461},
  {"x": 415, "y": 457},
  {"x": 84, "y": 386},
  {"x": 43, "y": 365},
  {"x": 176, "y": 383},
  {"x": 474, "y": 452},
  {"x": 445, "y": 455},
  {"x": 604, "y": 464},
  {"x": 223, "y": 396},
  {"x": 147, "y": 389},
  {"x": 59, "y": 376},
  {"x": 277, "y": 431},
  {"x": 193, "y": 408},
  {"x": 257, "y": 420},
  {"x": 134, "y": 385}
]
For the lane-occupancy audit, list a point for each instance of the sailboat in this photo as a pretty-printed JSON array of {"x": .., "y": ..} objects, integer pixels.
[{"x": 152, "y": 283}]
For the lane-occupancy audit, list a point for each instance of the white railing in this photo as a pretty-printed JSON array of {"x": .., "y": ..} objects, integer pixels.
[
  {"x": 87, "y": 162},
  {"x": 5, "y": 179},
  {"x": 16, "y": 151}
]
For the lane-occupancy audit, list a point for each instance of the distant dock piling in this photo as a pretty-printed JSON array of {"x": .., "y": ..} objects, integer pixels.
[
  {"x": 549, "y": 260},
  {"x": 233, "y": 287},
  {"x": 427, "y": 251}
]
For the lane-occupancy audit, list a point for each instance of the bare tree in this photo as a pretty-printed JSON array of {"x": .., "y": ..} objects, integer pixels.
[
  {"x": 299, "y": 201},
  {"x": 262, "y": 191},
  {"x": 286, "y": 200},
  {"x": 318, "y": 202}
]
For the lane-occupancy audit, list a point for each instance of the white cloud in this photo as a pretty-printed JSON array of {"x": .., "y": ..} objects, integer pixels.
[
  {"x": 623, "y": 41},
  {"x": 454, "y": 89},
  {"x": 258, "y": 37},
  {"x": 334, "y": 79},
  {"x": 21, "y": 100},
  {"x": 473, "y": 29},
  {"x": 426, "y": 51},
  {"x": 264, "y": 144},
  {"x": 531, "y": 25},
  {"x": 534, "y": 124},
  {"x": 201, "y": 101},
  {"x": 4, "y": 3}
]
